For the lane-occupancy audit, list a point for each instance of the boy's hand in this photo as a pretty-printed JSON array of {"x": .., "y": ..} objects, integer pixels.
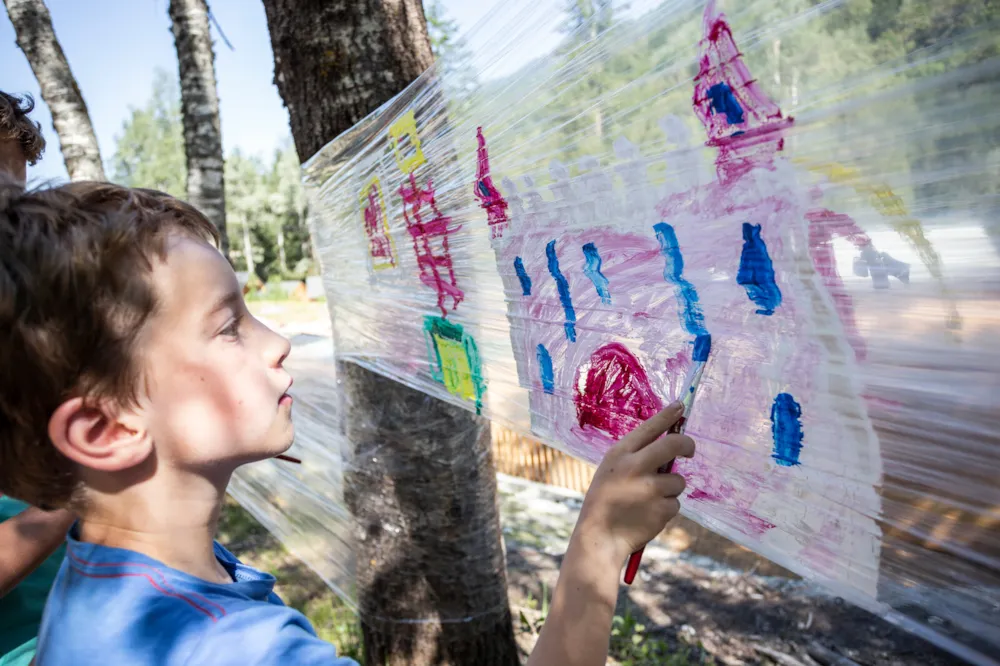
[
  {"x": 628, "y": 502},
  {"x": 627, "y": 505}
]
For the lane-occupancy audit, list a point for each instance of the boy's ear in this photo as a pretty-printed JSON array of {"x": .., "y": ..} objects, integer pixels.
[{"x": 99, "y": 436}]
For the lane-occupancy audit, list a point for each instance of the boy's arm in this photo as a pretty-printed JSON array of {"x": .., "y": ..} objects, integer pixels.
[
  {"x": 628, "y": 504},
  {"x": 27, "y": 539}
]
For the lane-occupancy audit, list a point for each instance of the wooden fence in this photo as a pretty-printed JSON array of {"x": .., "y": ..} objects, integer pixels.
[{"x": 525, "y": 458}]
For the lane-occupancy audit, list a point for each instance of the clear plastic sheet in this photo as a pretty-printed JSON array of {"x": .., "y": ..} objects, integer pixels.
[
  {"x": 804, "y": 195},
  {"x": 303, "y": 504}
]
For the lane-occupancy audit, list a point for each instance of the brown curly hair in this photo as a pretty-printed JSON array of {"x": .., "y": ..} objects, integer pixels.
[
  {"x": 15, "y": 125},
  {"x": 75, "y": 293}
]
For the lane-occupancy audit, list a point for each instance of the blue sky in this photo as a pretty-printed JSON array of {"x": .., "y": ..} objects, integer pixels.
[{"x": 115, "y": 46}]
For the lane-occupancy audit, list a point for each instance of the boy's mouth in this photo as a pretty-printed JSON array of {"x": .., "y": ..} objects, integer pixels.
[{"x": 286, "y": 397}]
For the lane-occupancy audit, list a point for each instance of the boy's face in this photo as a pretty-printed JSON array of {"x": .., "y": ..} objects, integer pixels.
[
  {"x": 215, "y": 392},
  {"x": 12, "y": 161}
]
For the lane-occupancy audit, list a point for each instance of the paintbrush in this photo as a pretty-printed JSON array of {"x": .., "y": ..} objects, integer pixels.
[{"x": 687, "y": 401}]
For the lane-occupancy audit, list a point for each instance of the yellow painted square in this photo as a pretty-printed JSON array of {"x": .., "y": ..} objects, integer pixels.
[
  {"x": 406, "y": 128},
  {"x": 455, "y": 370}
]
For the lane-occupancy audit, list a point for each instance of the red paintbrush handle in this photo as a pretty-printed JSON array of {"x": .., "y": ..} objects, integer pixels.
[{"x": 632, "y": 568}]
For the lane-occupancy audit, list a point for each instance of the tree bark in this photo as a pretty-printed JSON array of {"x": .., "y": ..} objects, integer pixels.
[
  {"x": 420, "y": 478},
  {"x": 200, "y": 111},
  {"x": 336, "y": 61},
  {"x": 37, "y": 39}
]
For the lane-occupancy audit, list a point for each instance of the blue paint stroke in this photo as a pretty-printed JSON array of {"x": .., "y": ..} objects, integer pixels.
[
  {"x": 702, "y": 347},
  {"x": 756, "y": 273},
  {"x": 563, "y": 285},
  {"x": 522, "y": 275},
  {"x": 593, "y": 271},
  {"x": 689, "y": 310},
  {"x": 545, "y": 369},
  {"x": 724, "y": 101},
  {"x": 786, "y": 427}
]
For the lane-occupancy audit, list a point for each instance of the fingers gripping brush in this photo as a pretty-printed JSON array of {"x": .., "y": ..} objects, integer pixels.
[{"x": 702, "y": 346}]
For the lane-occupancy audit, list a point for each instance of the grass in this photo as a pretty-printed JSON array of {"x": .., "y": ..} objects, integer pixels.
[{"x": 632, "y": 644}]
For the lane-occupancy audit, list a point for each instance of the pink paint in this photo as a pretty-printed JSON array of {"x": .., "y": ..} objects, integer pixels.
[
  {"x": 732, "y": 477},
  {"x": 379, "y": 245},
  {"x": 430, "y": 242},
  {"x": 616, "y": 395},
  {"x": 882, "y": 402},
  {"x": 823, "y": 226},
  {"x": 818, "y": 552},
  {"x": 492, "y": 201},
  {"x": 729, "y": 502},
  {"x": 743, "y": 145},
  {"x": 678, "y": 364}
]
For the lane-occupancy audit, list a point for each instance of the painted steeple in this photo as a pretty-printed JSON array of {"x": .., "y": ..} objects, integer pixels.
[{"x": 740, "y": 119}]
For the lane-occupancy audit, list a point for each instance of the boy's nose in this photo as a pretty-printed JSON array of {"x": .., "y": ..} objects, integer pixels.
[
  {"x": 276, "y": 346},
  {"x": 283, "y": 347}
]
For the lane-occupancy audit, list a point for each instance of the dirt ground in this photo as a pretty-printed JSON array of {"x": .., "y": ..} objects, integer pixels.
[{"x": 734, "y": 618}]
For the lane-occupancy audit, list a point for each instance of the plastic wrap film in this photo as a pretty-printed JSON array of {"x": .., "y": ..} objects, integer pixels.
[
  {"x": 552, "y": 228},
  {"x": 303, "y": 504},
  {"x": 359, "y": 488}
]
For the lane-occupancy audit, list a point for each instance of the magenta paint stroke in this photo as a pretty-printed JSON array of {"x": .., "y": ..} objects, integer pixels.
[
  {"x": 429, "y": 230},
  {"x": 613, "y": 393},
  {"x": 752, "y": 134},
  {"x": 490, "y": 198},
  {"x": 824, "y": 226},
  {"x": 379, "y": 244}
]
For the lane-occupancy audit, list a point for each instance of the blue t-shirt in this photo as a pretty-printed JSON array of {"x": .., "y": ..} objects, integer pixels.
[{"x": 111, "y": 606}]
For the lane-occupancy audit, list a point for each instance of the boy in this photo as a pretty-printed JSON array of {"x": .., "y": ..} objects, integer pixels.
[
  {"x": 135, "y": 381},
  {"x": 30, "y": 539}
]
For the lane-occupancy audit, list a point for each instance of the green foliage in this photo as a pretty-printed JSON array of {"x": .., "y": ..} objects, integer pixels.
[
  {"x": 632, "y": 645},
  {"x": 266, "y": 209},
  {"x": 831, "y": 64},
  {"x": 149, "y": 150},
  {"x": 336, "y": 624},
  {"x": 535, "y": 625},
  {"x": 265, "y": 203},
  {"x": 588, "y": 18},
  {"x": 451, "y": 51}
]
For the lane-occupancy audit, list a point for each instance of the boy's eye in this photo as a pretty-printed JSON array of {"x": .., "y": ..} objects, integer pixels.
[{"x": 232, "y": 329}]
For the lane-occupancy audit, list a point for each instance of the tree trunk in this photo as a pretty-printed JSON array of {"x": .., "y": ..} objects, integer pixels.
[
  {"x": 336, "y": 61},
  {"x": 420, "y": 481},
  {"x": 282, "y": 257},
  {"x": 33, "y": 27},
  {"x": 248, "y": 254},
  {"x": 200, "y": 110}
]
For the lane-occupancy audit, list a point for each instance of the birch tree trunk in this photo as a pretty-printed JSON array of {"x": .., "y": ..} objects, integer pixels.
[
  {"x": 200, "y": 112},
  {"x": 37, "y": 39},
  {"x": 420, "y": 480}
]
